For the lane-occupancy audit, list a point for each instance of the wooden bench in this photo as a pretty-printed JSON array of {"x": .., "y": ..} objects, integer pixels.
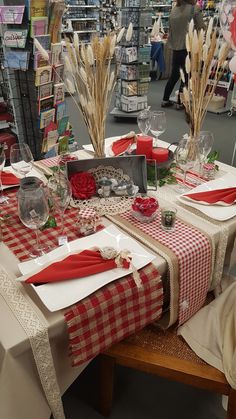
[{"x": 166, "y": 355}]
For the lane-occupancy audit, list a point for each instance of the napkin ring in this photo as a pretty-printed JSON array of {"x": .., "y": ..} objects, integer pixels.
[{"x": 123, "y": 259}]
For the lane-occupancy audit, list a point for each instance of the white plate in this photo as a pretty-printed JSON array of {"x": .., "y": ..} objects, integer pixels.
[
  {"x": 59, "y": 295},
  {"x": 33, "y": 172},
  {"x": 217, "y": 212},
  {"x": 108, "y": 143}
]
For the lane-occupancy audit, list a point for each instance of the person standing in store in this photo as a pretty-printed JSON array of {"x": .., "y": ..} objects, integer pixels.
[{"x": 180, "y": 16}]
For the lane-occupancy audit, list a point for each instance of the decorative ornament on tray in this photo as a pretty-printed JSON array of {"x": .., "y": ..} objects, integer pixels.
[
  {"x": 115, "y": 190},
  {"x": 145, "y": 209}
]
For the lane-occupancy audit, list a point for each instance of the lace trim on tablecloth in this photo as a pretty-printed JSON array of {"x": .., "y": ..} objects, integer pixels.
[{"x": 35, "y": 328}]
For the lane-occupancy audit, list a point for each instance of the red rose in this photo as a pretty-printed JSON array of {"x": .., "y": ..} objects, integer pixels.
[
  {"x": 146, "y": 206},
  {"x": 83, "y": 185}
]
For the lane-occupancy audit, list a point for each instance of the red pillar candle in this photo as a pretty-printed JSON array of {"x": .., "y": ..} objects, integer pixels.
[
  {"x": 144, "y": 145},
  {"x": 160, "y": 154}
]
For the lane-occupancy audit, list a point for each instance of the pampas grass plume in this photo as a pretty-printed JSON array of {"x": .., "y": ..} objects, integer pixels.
[
  {"x": 187, "y": 42},
  {"x": 90, "y": 55},
  {"x": 120, "y": 35},
  {"x": 83, "y": 74},
  {"x": 68, "y": 65},
  {"x": 187, "y": 64},
  {"x": 76, "y": 41},
  {"x": 129, "y": 32},
  {"x": 191, "y": 27},
  {"x": 42, "y": 51},
  {"x": 195, "y": 45},
  {"x": 69, "y": 86},
  {"x": 182, "y": 75}
]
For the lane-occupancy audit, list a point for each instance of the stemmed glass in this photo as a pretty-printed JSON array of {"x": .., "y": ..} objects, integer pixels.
[
  {"x": 186, "y": 157},
  {"x": 2, "y": 164},
  {"x": 21, "y": 158},
  {"x": 143, "y": 120},
  {"x": 206, "y": 140},
  {"x": 60, "y": 192},
  {"x": 157, "y": 125},
  {"x": 33, "y": 212}
]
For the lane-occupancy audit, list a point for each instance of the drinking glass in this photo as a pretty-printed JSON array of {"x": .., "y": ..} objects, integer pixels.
[
  {"x": 33, "y": 212},
  {"x": 186, "y": 157},
  {"x": 206, "y": 140},
  {"x": 143, "y": 120},
  {"x": 60, "y": 192},
  {"x": 157, "y": 125},
  {"x": 3, "y": 199},
  {"x": 21, "y": 158}
]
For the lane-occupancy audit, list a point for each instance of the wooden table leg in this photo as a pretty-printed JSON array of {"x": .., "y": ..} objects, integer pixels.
[
  {"x": 231, "y": 411},
  {"x": 107, "y": 366}
]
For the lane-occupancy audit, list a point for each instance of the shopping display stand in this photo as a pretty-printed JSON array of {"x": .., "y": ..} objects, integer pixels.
[
  {"x": 232, "y": 110},
  {"x": 133, "y": 57}
]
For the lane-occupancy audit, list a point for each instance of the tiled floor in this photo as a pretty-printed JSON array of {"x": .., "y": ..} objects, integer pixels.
[{"x": 141, "y": 396}]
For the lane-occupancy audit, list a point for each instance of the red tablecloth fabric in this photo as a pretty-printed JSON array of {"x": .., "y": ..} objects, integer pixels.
[
  {"x": 193, "y": 251},
  {"x": 112, "y": 313}
]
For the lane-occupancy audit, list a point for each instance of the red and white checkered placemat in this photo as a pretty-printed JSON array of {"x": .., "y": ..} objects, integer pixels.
[
  {"x": 193, "y": 251},
  {"x": 20, "y": 238},
  {"x": 112, "y": 313}
]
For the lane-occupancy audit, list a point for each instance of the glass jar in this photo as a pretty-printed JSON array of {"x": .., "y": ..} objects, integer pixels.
[{"x": 87, "y": 221}]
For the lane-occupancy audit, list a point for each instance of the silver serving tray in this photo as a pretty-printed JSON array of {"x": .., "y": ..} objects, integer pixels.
[{"x": 133, "y": 166}]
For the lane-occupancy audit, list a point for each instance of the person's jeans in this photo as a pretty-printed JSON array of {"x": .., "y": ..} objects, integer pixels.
[{"x": 178, "y": 62}]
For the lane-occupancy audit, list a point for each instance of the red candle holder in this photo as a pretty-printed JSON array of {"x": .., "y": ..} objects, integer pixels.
[
  {"x": 144, "y": 146},
  {"x": 160, "y": 154}
]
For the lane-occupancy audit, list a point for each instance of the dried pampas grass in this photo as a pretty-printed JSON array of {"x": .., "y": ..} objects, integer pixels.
[
  {"x": 205, "y": 61},
  {"x": 94, "y": 79}
]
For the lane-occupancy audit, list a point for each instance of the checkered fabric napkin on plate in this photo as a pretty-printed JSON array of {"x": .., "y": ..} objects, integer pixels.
[
  {"x": 113, "y": 313},
  {"x": 193, "y": 251},
  {"x": 20, "y": 238}
]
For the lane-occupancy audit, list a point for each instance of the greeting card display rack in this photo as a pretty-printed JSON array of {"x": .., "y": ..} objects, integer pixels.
[{"x": 134, "y": 58}]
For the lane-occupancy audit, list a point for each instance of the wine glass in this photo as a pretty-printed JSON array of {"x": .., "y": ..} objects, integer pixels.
[
  {"x": 21, "y": 158},
  {"x": 143, "y": 120},
  {"x": 157, "y": 125},
  {"x": 186, "y": 157},
  {"x": 3, "y": 199},
  {"x": 33, "y": 212},
  {"x": 60, "y": 192},
  {"x": 206, "y": 140}
]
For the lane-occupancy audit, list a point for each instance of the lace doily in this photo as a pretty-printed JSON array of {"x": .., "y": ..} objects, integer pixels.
[
  {"x": 109, "y": 172},
  {"x": 104, "y": 206},
  {"x": 112, "y": 205}
]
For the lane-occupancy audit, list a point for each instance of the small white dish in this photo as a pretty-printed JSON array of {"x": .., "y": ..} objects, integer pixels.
[
  {"x": 58, "y": 295},
  {"x": 216, "y": 212}
]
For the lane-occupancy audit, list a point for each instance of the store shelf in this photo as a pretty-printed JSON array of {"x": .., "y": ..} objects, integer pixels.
[{"x": 83, "y": 19}]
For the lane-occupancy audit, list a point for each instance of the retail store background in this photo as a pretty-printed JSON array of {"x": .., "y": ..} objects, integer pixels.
[{"x": 222, "y": 126}]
